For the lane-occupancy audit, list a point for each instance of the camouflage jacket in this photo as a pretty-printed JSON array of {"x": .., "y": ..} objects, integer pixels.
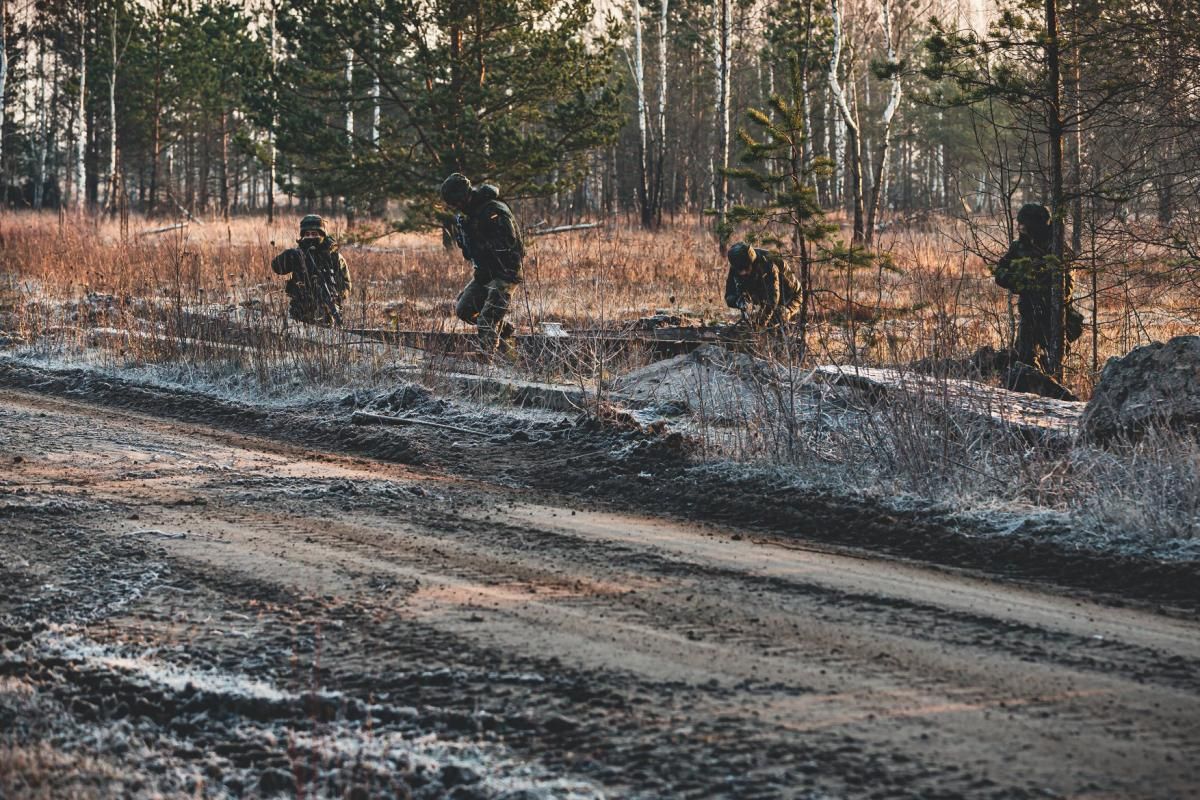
[
  {"x": 1027, "y": 268},
  {"x": 770, "y": 284},
  {"x": 491, "y": 239},
  {"x": 314, "y": 270}
]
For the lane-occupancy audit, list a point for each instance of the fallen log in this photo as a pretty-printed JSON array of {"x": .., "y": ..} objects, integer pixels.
[
  {"x": 167, "y": 229},
  {"x": 583, "y": 226}
]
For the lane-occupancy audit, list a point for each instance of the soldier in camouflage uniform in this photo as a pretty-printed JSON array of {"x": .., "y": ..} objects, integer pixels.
[
  {"x": 760, "y": 279},
  {"x": 489, "y": 237},
  {"x": 319, "y": 279},
  {"x": 1029, "y": 270}
]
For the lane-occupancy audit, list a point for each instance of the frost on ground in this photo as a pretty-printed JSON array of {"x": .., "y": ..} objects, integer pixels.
[
  {"x": 992, "y": 462},
  {"x": 268, "y": 747}
]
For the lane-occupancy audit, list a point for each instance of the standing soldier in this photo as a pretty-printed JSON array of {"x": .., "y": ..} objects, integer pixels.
[
  {"x": 320, "y": 278},
  {"x": 759, "y": 278},
  {"x": 1029, "y": 269},
  {"x": 489, "y": 237}
]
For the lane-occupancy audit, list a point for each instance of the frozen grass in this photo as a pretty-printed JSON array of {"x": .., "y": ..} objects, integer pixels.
[{"x": 200, "y": 308}]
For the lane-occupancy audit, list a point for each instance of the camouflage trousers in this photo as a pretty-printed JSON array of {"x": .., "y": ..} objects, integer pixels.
[
  {"x": 1034, "y": 341},
  {"x": 776, "y": 316},
  {"x": 484, "y": 305},
  {"x": 305, "y": 308}
]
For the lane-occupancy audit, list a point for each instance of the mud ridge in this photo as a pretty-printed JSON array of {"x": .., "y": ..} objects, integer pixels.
[{"x": 627, "y": 467}]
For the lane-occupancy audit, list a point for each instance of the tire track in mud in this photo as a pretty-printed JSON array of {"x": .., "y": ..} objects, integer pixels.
[
  {"x": 603, "y": 465},
  {"x": 563, "y": 644},
  {"x": 949, "y": 626}
]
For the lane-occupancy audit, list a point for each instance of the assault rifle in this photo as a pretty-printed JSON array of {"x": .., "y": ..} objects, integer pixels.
[
  {"x": 319, "y": 284},
  {"x": 459, "y": 231}
]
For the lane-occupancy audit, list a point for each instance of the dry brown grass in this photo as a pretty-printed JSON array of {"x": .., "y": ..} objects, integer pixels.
[
  {"x": 204, "y": 302},
  {"x": 941, "y": 303}
]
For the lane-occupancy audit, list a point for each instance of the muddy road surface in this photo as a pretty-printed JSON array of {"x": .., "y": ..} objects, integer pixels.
[{"x": 189, "y": 610}]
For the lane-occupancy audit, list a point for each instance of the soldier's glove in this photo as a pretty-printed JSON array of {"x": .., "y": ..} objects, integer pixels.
[{"x": 286, "y": 262}]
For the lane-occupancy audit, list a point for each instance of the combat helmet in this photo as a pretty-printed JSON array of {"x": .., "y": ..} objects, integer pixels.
[
  {"x": 313, "y": 222},
  {"x": 1034, "y": 215},
  {"x": 741, "y": 256},
  {"x": 456, "y": 189}
]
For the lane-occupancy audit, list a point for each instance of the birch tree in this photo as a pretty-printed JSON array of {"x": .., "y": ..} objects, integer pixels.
[
  {"x": 722, "y": 49},
  {"x": 3, "y": 86},
  {"x": 661, "y": 149},
  {"x": 890, "y": 70},
  {"x": 841, "y": 101},
  {"x": 274, "y": 118},
  {"x": 113, "y": 182},
  {"x": 637, "y": 68},
  {"x": 81, "y": 134}
]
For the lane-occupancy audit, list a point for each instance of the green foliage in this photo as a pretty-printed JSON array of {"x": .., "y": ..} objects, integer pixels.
[
  {"x": 512, "y": 91},
  {"x": 773, "y": 167}
]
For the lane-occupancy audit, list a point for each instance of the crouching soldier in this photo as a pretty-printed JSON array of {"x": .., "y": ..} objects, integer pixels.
[
  {"x": 319, "y": 279},
  {"x": 488, "y": 235},
  {"x": 761, "y": 287}
]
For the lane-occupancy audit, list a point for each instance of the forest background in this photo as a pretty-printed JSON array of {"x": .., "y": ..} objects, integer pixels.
[{"x": 870, "y": 139}]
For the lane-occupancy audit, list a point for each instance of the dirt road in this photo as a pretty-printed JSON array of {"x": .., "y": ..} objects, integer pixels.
[{"x": 190, "y": 610}]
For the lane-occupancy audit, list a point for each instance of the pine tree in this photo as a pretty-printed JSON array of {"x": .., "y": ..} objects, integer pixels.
[
  {"x": 512, "y": 91},
  {"x": 775, "y": 169}
]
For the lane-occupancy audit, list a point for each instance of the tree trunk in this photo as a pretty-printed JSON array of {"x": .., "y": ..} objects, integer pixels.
[
  {"x": 110, "y": 200},
  {"x": 847, "y": 117},
  {"x": 3, "y": 84},
  {"x": 639, "y": 85},
  {"x": 806, "y": 102},
  {"x": 721, "y": 54},
  {"x": 1054, "y": 128},
  {"x": 349, "y": 124},
  {"x": 44, "y": 128},
  {"x": 80, "y": 198},
  {"x": 156, "y": 137},
  {"x": 271, "y": 130},
  {"x": 379, "y": 204},
  {"x": 885, "y": 133},
  {"x": 660, "y": 156},
  {"x": 223, "y": 189}
]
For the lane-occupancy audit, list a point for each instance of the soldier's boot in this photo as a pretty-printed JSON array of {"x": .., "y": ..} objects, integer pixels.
[
  {"x": 506, "y": 348},
  {"x": 501, "y": 345}
]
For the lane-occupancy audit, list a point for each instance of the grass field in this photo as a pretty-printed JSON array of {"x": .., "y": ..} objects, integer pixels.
[
  {"x": 201, "y": 305},
  {"x": 940, "y": 303}
]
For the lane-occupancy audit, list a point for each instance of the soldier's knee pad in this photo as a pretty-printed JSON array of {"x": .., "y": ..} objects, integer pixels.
[{"x": 465, "y": 309}]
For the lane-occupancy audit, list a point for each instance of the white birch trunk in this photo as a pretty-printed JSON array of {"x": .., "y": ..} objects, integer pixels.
[
  {"x": 839, "y": 152},
  {"x": 80, "y": 199},
  {"x": 849, "y": 121},
  {"x": 376, "y": 108},
  {"x": 868, "y": 155},
  {"x": 271, "y": 129},
  {"x": 3, "y": 83},
  {"x": 110, "y": 200},
  {"x": 889, "y": 113},
  {"x": 661, "y": 154},
  {"x": 721, "y": 52},
  {"x": 639, "y": 84},
  {"x": 350, "y": 102},
  {"x": 349, "y": 122},
  {"x": 939, "y": 161}
]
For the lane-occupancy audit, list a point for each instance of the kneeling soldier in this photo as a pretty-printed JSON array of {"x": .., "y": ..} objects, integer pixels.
[
  {"x": 758, "y": 278},
  {"x": 320, "y": 278}
]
